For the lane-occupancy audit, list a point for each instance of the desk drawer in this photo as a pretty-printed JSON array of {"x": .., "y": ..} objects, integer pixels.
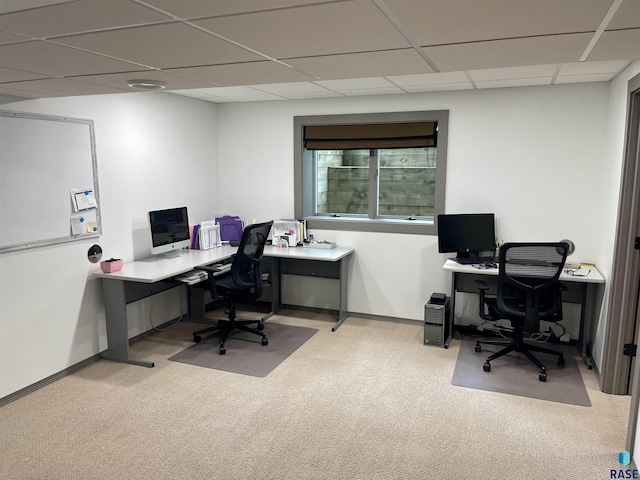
[
  {"x": 310, "y": 268},
  {"x": 135, "y": 291}
]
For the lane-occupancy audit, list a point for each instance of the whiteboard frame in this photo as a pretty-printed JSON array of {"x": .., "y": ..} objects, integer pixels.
[{"x": 94, "y": 166}]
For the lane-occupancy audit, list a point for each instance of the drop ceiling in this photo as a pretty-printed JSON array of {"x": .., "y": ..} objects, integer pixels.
[{"x": 254, "y": 50}]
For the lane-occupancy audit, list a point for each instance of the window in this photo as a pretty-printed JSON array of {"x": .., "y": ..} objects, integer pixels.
[{"x": 371, "y": 172}]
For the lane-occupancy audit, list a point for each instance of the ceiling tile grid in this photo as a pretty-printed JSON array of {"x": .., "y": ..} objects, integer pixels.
[{"x": 292, "y": 49}]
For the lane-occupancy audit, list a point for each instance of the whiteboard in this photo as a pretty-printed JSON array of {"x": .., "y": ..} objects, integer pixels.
[{"x": 46, "y": 163}]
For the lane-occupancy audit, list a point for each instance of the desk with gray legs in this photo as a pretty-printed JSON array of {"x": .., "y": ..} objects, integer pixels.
[
  {"x": 579, "y": 291},
  {"x": 143, "y": 278},
  {"x": 314, "y": 262}
]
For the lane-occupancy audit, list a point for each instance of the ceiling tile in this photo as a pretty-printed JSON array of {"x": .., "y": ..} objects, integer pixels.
[
  {"x": 119, "y": 80},
  {"x": 77, "y": 16},
  {"x": 162, "y": 46},
  {"x": 62, "y": 87},
  {"x": 319, "y": 94},
  {"x": 593, "y": 77},
  {"x": 513, "y": 82},
  {"x": 9, "y": 6},
  {"x": 617, "y": 45},
  {"x": 583, "y": 68},
  {"x": 370, "y": 91},
  {"x": 459, "y": 21},
  {"x": 207, "y": 8},
  {"x": 22, "y": 93},
  {"x": 429, "y": 78},
  {"x": 332, "y": 28},
  {"x": 51, "y": 59},
  {"x": 289, "y": 88},
  {"x": 355, "y": 83},
  {"x": 627, "y": 16},
  {"x": 10, "y": 75},
  {"x": 507, "y": 73},
  {"x": 509, "y": 53},
  {"x": 437, "y": 87},
  {"x": 370, "y": 64},
  {"x": 243, "y": 73},
  {"x": 11, "y": 38}
]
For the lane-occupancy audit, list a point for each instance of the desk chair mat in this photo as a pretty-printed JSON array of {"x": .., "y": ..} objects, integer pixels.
[
  {"x": 515, "y": 375},
  {"x": 245, "y": 354}
]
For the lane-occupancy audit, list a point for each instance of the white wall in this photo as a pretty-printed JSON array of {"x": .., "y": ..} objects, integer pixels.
[
  {"x": 534, "y": 156},
  {"x": 153, "y": 151}
]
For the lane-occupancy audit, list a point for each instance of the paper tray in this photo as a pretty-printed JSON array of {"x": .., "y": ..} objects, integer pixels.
[{"x": 325, "y": 245}]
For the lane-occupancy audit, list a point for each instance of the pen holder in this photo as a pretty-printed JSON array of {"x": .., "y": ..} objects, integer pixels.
[{"x": 111, "y": 265}]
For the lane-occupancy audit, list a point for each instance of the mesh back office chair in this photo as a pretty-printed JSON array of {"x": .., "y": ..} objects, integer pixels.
[
  {"x": 244, "y": 280},
  {"x": 528, "y": 291}
]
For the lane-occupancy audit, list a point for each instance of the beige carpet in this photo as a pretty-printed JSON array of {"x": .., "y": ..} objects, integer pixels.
[
  {"x": 515, "y": 375},
  {"x": 368, "y": 401},
  {"x": 245, "y": 353}
]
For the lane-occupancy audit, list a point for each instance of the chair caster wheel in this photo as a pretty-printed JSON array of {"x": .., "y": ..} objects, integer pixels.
[
  {"x": 486, "y": 367},
  {"x": 223, "y": 350},
  {"x": 265, "y": 341},
  {"x": 478, "y": 348},
  {"x": 197, "y": 338},
  {"x": 561, "y": 361},
  {"x": 542, "y": 376},
  {"x": 260, "y": 326}
]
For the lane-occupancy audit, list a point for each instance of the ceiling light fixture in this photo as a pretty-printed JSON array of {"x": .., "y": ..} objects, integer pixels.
[{"x": 146, "y": 84}]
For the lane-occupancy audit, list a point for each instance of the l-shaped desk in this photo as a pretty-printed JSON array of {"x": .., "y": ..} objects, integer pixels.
[
  {"x": 579, "y": 290},
  {"x": 143, "y": 278}
]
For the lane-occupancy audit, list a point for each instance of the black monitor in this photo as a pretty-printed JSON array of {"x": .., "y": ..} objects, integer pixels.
[
  {"x": 466, "y": 234},
  {"x": 169, "y": 230}
]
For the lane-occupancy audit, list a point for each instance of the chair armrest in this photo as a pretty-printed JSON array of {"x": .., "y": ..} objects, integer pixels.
[{"x": 482, "y": 285}]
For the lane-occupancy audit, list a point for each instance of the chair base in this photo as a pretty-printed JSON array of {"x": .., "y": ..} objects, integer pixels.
[
  {"x": 228, "y": 326},
  {"x": 518, "y": 345}
]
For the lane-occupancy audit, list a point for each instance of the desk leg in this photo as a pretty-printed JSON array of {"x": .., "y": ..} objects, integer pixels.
[
  {"x": 276, "y": 293},
  {"x": 115, "y": 307},
  {"x": 343, "y": 313},
  {"x": 195, "y": 304},
  {"x": 582, "y": 346}
]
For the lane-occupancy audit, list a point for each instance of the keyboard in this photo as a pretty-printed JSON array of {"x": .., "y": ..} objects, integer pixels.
[{"x": 474, "y": 260}]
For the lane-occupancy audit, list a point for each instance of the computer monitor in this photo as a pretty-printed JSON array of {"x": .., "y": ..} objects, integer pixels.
[
  {"x": 466, "y": 234},
  {"x": 169, "y": 230}
]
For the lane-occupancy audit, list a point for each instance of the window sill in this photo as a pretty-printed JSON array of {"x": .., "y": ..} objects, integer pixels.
[{"x": 382, "y": 225}]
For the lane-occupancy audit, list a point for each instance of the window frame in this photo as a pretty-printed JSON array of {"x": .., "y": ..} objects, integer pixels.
[{"x": 304, "y": 187}]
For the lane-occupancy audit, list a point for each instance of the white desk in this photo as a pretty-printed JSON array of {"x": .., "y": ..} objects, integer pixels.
[
  {"x": 579, "y": 290},
  {"x": 143, "y": 278},
  {"x": 315, "y": 262}
]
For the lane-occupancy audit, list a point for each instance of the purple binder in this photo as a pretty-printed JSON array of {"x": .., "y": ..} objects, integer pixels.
[{"x": 230, "y": 228}]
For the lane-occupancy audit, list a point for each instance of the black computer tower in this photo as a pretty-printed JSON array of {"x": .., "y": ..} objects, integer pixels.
[{"x": 437, "y": 321}]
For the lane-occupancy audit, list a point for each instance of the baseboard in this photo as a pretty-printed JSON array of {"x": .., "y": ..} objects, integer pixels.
[{"x": 74, "y": 368}]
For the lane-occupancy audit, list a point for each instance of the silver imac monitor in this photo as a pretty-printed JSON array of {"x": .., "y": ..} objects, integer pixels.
[{"x": 169, "y": 230}]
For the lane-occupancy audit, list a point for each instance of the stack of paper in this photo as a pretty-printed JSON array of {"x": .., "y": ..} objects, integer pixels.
[
  {"x": 209, "y": 235},
  {"x": 292, "y": 232}
]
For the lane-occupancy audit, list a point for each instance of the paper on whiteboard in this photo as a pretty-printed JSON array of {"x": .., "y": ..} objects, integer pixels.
[
  {"x": 77, "y": 225},
  {"x": 83, "y": 198}
]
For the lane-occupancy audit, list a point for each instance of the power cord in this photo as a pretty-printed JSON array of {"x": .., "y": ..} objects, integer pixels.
[{"x": 158, "y": 329}]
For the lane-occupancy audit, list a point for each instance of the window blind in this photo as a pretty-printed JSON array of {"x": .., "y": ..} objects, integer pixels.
[{"x": 372, "y": 135}]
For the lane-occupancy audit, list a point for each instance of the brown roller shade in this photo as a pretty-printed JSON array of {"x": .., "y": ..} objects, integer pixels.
[{"x": 371, "y": 135}]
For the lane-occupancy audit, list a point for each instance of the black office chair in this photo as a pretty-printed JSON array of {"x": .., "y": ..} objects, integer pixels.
[
  {"x": 242, "y": 281},
  {"x": 528, "y": 291}
]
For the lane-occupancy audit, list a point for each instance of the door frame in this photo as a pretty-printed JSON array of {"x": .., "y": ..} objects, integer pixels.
[{"x": 617, "y": 376}]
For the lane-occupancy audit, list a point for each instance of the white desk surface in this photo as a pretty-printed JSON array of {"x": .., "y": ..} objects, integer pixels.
[
  {"x": 453, "y": 266},
  {"x": 302, "y": 253},
  {"x": 161, "y": 267}
]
